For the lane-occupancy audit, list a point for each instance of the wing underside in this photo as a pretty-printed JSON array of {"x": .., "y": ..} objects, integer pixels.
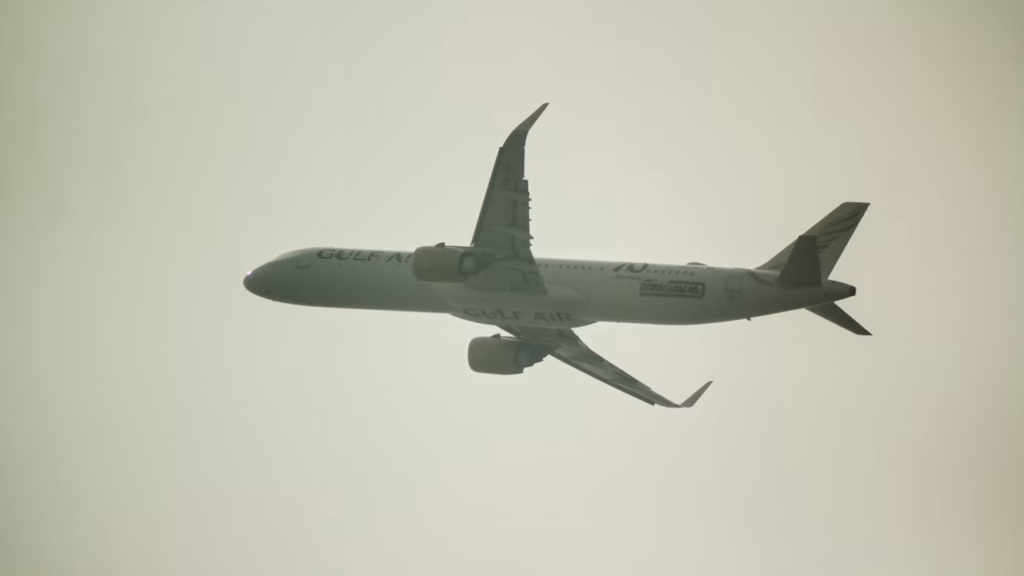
[
  {"x": 502, "y": 236},
  {"x": 566, "y": 346}
]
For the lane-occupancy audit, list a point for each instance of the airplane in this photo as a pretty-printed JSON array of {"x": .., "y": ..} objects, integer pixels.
[{"x": 496, "y": 280}]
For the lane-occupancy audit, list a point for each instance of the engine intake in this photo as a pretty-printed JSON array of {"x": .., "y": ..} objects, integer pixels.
[
  {"x": 503, "y": 355},
  {"x": 443, "y": 264}
]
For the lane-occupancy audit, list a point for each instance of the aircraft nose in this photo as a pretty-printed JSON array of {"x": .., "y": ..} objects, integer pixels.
[
  {"x": 250, "y": 282},
  {"x": 258, "y": 281},
  {"x": 283, "y": 279}
]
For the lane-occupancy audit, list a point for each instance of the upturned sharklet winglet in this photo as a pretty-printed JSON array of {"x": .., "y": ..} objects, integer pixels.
[
  {"x": 518, "y": 136},
  {"x": 802, "y": 268},
  {"x": 689, "y": 402},
  {"x": 836, "y": 315}
]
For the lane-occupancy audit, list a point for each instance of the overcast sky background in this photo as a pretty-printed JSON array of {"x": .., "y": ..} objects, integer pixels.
[{"x": 156, "y": 418}]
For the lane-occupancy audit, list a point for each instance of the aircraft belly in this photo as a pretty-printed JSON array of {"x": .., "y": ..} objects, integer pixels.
[
  {"x": 558, "y": 308},
  {"x": 664, "y": 311}
]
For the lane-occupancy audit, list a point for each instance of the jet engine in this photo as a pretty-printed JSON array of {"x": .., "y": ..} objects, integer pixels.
[
  {"x": 503, "y": 355},
  {"x": 443, "y": 264}
]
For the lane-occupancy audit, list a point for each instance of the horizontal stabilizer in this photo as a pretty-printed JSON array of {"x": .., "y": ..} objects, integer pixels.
[
  {"x": 836, "y": 315},
  {"x": 802, "y": 267}
]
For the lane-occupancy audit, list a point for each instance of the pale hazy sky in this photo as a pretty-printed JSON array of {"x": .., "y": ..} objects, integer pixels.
[{"x": 157, "y": 419}]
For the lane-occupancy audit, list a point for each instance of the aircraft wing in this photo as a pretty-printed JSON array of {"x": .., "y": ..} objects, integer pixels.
[
  {"x": 565, "y": 345},
  {"x": 502, "y": 236}
]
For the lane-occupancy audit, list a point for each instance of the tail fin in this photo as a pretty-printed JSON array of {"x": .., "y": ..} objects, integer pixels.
[
  {"x": 836, "y": 315},
  {"x": 802, "y": 267},
  {"x": 833, "y": 232}
]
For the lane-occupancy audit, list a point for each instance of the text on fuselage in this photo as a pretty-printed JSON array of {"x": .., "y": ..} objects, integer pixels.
[
  {"x": 499, "y": 314},
  {"x": 364, "y": 255}
]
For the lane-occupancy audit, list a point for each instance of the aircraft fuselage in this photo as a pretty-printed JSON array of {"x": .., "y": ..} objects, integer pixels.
[{"x": 579, "y": 292}]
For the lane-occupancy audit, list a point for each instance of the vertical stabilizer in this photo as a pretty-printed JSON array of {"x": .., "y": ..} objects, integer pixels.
[
  {"x": 802, "y": 268},
  {"x": 833, "y": 233}
]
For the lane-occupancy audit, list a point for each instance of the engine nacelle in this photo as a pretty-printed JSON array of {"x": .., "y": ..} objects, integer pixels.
[
  {"x": 443, "y": 264},
  {"x": 502, "y": 355}
]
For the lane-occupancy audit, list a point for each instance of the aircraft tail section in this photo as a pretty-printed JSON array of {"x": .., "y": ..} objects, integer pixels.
[
  {"x": 832, "y": 234},
  {"x": 803, "y": 266}
]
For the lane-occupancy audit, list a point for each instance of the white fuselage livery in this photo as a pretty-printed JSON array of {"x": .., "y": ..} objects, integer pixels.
[{"x": 579, "y": 292}]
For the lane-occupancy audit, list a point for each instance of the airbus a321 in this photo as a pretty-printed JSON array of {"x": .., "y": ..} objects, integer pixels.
[{"x": 539, "y": 302}]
